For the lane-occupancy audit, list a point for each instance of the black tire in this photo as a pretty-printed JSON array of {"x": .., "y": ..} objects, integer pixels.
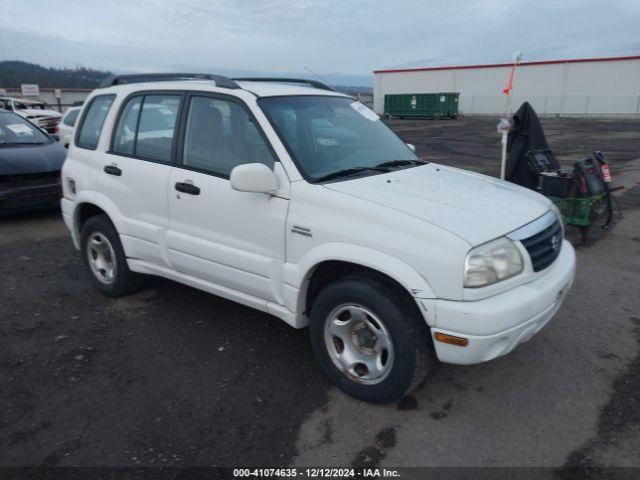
[
  {"x": 124, "y": 281},
  {"x": 408, "y": 333}
]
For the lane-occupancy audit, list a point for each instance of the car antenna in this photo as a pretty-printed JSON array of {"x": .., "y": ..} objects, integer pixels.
[{"x": 315, "y": 74}]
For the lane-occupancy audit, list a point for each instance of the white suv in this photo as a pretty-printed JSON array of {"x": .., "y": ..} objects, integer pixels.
[
  {"x": 298, "y": 201},
  {"x": 65, "y": 128}
]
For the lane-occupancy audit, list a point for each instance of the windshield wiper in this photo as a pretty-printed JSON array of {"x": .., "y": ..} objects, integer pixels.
[
  {"x": 350, "y": 171},
  {"x": 400, "y": 163}
]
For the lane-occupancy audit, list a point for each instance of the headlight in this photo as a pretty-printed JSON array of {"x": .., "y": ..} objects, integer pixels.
[{"x": 492, "y": 262}]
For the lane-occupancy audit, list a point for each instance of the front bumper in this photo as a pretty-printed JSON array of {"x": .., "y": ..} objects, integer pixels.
[{"x": 496, "y": 325}]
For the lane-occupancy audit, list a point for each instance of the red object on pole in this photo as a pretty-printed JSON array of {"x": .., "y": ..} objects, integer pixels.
[{"x": 507, "y": 88}]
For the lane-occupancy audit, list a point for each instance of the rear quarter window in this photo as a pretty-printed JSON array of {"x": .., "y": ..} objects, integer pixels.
[{"x": 92, "y": 121}]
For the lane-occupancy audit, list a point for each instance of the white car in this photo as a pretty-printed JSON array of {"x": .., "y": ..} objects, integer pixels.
[
  {"x": 298, "y": 201},
  {"x": 66, "y": 126},
  {"x": 36, "y": 111}
]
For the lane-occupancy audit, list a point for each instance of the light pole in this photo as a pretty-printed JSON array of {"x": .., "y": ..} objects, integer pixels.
[{"x": 504, "y": 126}]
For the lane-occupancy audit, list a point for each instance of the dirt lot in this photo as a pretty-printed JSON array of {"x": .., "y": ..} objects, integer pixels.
[
  {"x": 472, "y": 142},
  {"x": 172, "y": 376}
]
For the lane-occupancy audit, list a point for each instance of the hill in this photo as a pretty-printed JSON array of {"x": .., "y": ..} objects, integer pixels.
[{"x": 13, "y": 73}]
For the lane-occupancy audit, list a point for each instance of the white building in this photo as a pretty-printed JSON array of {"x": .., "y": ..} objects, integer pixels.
[{"x": 579, "y": 87}]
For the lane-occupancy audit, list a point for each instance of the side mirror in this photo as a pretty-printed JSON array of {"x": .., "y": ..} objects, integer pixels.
[
  {"x": 253, "y": 177},
  {"x": 412, "y": 147}
]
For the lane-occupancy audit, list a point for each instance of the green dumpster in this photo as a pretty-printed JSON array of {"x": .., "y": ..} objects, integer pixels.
[{"x": 429, "y": 105}]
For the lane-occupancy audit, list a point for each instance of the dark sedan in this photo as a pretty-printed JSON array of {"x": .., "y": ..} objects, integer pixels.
[{"x": 30, "y": 163}]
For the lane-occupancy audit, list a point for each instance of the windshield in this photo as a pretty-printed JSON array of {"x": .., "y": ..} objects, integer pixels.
[
  {"x": 32, "y": 106},
  {"x": 14, "y": 130},
  {"x": 326, "y": 135}
]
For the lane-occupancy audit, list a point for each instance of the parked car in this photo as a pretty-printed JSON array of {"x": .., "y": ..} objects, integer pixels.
[
  {"x": 297, "y": 200},
  {"x": 65, "y": 128},
  {"x": 36, "y": 111},
  {"x": 30, "y": 164}
]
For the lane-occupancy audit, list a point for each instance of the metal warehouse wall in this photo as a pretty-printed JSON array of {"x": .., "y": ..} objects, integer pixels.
[{"x": 570, "y": 87}]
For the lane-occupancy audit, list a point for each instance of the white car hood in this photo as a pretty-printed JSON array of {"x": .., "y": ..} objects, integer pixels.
[
  {"x": 35, "y": 112},
  {"x": 475, "y": 207}
]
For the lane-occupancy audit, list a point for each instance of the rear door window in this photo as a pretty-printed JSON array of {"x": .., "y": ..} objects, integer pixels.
[
  {"x": 157, "y": 127},
  {"x": 146, "y": 127},
  {"x": 92, "y": 121},
  {"x": 125, "y": 137}
]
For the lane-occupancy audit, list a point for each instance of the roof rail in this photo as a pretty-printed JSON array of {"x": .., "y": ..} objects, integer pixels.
[
  {"x": 313, "y": 83},
  {"x": 220, "y": 80}
]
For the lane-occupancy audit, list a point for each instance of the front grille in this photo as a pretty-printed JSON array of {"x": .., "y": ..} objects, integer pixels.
[
  {"x": 29, "y": 179},
  {"x": 48, "y": 123},
  {"x": 544, "y": 247}
]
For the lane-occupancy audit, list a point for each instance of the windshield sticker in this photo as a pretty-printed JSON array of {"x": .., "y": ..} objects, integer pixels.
[
  {"x": 328, "y": 142},
  {"x": 365, "y": 112},
  {"x": 20, "y": 129}
]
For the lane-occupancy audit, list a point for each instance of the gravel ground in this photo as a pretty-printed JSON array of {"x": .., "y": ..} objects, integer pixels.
[
  {"x": 472, "y": 142},
  {"x": 172, "y": 376}
]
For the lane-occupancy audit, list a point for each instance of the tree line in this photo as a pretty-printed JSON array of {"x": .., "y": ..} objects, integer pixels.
[{"x": 13, "y": 73}]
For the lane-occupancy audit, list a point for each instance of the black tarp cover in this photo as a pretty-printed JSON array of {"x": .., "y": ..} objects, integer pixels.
[{"x": 526, "y": 134}]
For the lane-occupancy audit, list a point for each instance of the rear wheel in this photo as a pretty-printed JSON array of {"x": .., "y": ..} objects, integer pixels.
[
  {"x": 104, "y": 258},
  {"x": 369, "y": 339}
]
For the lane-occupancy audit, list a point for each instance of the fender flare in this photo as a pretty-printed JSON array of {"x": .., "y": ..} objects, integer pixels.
[
  {"x": 98, "y": 200},
  {"x": 298, "y": 275}
]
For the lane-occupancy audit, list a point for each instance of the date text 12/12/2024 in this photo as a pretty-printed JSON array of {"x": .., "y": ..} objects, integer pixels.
[{"x": 319, "y": 472}]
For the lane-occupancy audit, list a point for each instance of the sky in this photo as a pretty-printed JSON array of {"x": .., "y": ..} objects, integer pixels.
[{"x": 341, "y": 40}]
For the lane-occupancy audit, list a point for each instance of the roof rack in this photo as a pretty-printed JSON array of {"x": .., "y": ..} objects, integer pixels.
[
  {"x": 220, "y": 80},
  {"x": 313, "y": 83}
]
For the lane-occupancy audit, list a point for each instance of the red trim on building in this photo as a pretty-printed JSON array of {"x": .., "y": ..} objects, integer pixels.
[{"x": 496, "y": 65}]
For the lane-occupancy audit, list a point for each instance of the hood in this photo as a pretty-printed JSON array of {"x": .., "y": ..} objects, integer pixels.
[
  {"x": 474, "y": 207},
  {"x": 31, "y": 158},
  {"x": 36, "y": 112}
]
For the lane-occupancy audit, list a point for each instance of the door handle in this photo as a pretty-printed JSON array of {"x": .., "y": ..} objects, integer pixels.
[
  {"x": 189, "y": 188},
  {"x": 112, "y": 170}
]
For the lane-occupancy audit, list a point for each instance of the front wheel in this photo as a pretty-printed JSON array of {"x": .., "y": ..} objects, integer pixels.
[{"x": 369, "y": 339}]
